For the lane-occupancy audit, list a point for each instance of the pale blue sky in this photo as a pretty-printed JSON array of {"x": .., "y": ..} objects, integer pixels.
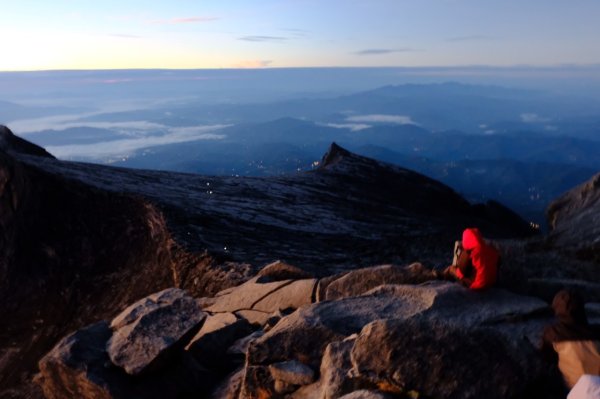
[{"x": 85, "y": 34}]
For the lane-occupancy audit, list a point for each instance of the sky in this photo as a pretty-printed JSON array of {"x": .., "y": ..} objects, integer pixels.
[{"x": 187, "y": 34}]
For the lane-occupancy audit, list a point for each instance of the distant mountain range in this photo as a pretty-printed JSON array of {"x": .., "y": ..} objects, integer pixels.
[{"x": 522, "y": 147}]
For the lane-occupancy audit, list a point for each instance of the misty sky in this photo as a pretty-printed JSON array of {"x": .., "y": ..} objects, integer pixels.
[{"x": 86, "y": 34}]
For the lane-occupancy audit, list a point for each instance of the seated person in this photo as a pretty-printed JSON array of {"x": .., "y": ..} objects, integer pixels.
[
  {"x": 571, "y": 341},
  {"x": 476, "y": 262}
]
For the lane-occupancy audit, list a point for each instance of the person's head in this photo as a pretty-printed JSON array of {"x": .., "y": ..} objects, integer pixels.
[
  {"x": 471, "y": 238},
  {"x": 569, "y": 307}
]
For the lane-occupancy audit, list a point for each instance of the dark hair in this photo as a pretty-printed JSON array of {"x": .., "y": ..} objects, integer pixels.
[{"x": 569, "y": 306}]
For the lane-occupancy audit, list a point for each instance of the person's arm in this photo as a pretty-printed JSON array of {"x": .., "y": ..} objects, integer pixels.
[{"x": 464, "y": 265}]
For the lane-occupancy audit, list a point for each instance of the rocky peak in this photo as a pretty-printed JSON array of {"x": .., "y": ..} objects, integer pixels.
[
  {"x": 334, "y": 155},
  {"x": 11, "y": 143}
]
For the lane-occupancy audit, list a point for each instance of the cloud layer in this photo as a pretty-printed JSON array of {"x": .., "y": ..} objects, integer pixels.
[
  {"x": 380, "y": 118},
  {"x": 259, "y": 38},
  {"x": 127, "y": 146},
  {"x": 380, "y": 51}
]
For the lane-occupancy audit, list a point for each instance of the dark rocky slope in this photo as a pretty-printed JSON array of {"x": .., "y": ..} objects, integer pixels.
[
  {"x": 79, "y": 242},
  {"x": 574, "y": 219}
]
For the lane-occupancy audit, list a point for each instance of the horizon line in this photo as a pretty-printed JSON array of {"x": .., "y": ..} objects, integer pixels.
[{"x": 480, "y": 66}]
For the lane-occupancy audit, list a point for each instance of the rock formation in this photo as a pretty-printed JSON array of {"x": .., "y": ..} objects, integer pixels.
[
  {"x": 574, "y": 220},
  {"x": 434, "y": 340}
]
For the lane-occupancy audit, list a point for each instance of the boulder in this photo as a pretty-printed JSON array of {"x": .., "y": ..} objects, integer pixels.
[
  {"x": 205, "y": 302},
  {"x": 279, "y": 270},
  {"x": 240, "y": 347},
  {"x": 458, "y": 305},
  {"x": 79, "y": 367},
  {"x": 321, "y": 292},
  {"x": 360, "y": 281},
  {"x": 292, "y": 372},
  {"x": 217, "y": 334},
  {"x": 304, "y": 334},
  {"x": 230, "y": 387},
  {"x": 335, "y": 366},
  {"x": 246, "y": 295},
  {"x": 334, "y": 378},
  {"x": 75, "y": 367},
  {"x": 257, "y": 383},
  {"x": 461, "y": 362},
  {"x": 149, "y": 332},
  {"x": 255, "y": 317},
  {"x": 265, "y": 296},
  {"x": 292, "y": 296}
]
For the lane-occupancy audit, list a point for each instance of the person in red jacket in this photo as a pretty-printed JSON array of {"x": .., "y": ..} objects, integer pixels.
[{"x": 476, "y": 264}]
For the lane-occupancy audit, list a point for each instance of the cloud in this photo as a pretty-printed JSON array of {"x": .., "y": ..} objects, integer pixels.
[
  {"x": 184, "y": 20},
  {"x": 127, "y": 146},
  {"x": 297, "y": 32},
  {"x": 62, "y": 122},
  {"x": 380, "y": 51},
  {"x": 379, "y": 118},
  {"x": 530, "y": 117},
  {"x": 115, "y": 81},
  {"x": 252, "y": 64},
  {"x": 354, "y": 127},
  {"x": 469, "y": 38},
  {"x": 263, "y": 38}
]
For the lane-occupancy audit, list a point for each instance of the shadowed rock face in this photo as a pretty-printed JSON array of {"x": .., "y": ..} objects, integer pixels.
[
  {"x": 78, "y": 242},
  {"x": 574, "y": 220}
]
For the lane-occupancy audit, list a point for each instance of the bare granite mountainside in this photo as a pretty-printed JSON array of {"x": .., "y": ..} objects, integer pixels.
[
  {"x": 575, "y": 220},
  {"x": 79, "y": 242}
]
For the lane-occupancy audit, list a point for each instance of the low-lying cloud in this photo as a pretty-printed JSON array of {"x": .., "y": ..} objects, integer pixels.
[
  {"x": 127, "y": 146},
  {"x": 62, "y": 122},
  {"x": 252, "y": 64},
  {"x": 530, "y": 117},
  {"x": 354, "y": 127},
  {"x": 263, "y": 38},
  {"x": 380, "y": 118},
  {"x": 381, "y": 51}
]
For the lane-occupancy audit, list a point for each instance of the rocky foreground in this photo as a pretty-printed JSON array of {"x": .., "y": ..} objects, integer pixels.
[{"x": 380, "y": 332}]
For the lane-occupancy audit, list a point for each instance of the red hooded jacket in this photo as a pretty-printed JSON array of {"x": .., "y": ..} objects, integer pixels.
[{"x": 484, "y": 258}]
